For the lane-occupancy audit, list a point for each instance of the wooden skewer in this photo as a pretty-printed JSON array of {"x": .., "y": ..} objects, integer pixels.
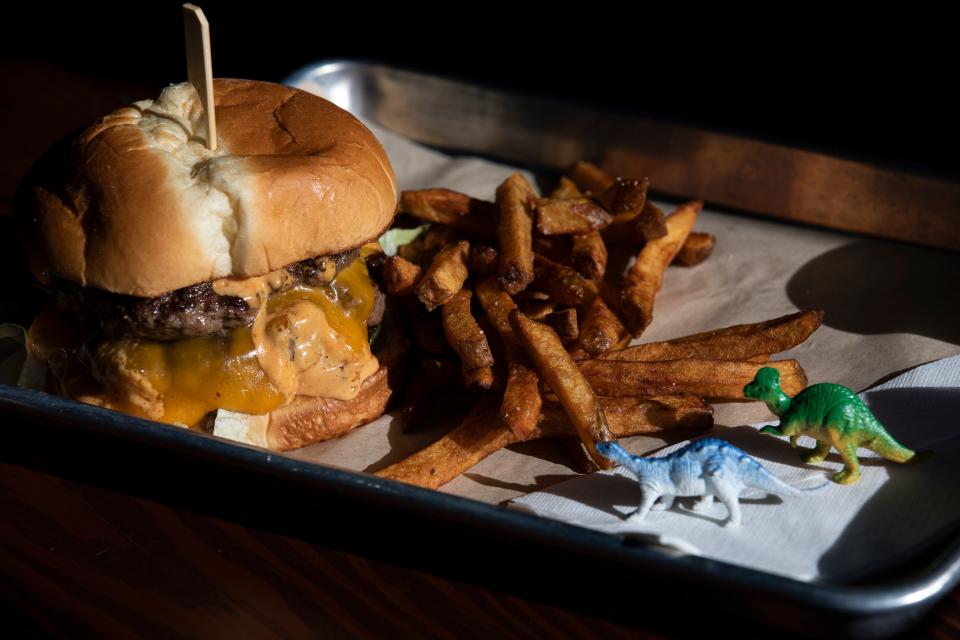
[{"x": 196, "y": 31}]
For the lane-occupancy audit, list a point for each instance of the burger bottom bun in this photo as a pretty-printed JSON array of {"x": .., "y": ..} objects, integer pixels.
[{"x": 308, "y": 420}]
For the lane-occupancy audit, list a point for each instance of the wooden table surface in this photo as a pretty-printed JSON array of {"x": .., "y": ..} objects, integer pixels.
[{"x": 84, "y": 557}]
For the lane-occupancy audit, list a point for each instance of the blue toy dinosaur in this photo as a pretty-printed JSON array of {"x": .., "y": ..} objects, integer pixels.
[{"x": 705, "y": 468}]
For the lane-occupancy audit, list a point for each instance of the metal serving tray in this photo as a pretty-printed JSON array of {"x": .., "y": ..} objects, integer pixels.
[{"x": 463, "y": 539}]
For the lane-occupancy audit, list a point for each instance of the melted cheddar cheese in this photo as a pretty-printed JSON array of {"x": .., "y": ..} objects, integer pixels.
[{"x": 305, "y": 340}]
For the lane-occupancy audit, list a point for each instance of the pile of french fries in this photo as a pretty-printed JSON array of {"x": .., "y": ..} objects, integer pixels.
[{"x": 513, "y": 299}]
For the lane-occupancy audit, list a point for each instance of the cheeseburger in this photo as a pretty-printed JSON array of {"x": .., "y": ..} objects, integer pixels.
[{"x": 185, "y": 281}]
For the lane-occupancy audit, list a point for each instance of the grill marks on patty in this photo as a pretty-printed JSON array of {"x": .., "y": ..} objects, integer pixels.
[{"x": 191, "y": 311}]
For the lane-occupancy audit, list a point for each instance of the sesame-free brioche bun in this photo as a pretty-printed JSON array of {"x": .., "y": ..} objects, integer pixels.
[{"x": 137, "y": 205}]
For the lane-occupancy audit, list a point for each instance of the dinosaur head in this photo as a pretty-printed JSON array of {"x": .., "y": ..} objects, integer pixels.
[
  {"x": 766, "y": 387},
  {"x": 765, "y": 384}
]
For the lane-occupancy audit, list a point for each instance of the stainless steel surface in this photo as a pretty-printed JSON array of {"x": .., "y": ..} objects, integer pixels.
[{"x": 732, "y": 171}]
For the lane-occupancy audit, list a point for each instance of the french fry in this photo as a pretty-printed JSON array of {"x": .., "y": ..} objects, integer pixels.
[
  {"x": 556, "y": 248},
  {"x": 422, "y": 250},
  {"x": 569, "y": 216},
  {"x": 565, "y": 323},
  {"x": 600, "y": 330},
  {"x": 589, "y": 255},
  {"x": 400, "y": 276},
  {"x": 738, "y": 342},
  {"x": 483, "y": 261},
  {"x": 625, "y": 198},
  {"x": 650, "y": 224},
  {"x": 521, "y": 404},
  {"x": 563, "y": 283},
  {"x": 537, "y": 309},
  {"x": 450, "y": 208},
  {"x": 696, "y": 249},
  {"x": 589, "y": 177},
  {"x": 497, "y": 305},
  {"x": 645, "y": 277},
  {"x": 718, "y": 380},
  {"x": 515, "y": 230},
  {"x": 635, "y": 415},
  {"x": 480, "y": 378},
  {"x": 566, "y": 189},
  {"x": 561, "y": 374},
  {"x": 480, "y": 434},
  {"x": 463, "y": 333},
  {"x": 520, "y": 408},
  {"x": 446, "y": 275}
]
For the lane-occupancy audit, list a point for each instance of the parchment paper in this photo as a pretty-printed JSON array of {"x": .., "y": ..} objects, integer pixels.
[{"x": 889, "y": 307}]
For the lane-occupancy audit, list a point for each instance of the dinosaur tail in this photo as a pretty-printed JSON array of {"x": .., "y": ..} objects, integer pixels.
[
  {"x": 886, "y": 446},
  {"x": 766, "y": 481}
]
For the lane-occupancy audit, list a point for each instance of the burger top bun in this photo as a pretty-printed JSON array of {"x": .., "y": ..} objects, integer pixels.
[{"x": 136, "y": 204}]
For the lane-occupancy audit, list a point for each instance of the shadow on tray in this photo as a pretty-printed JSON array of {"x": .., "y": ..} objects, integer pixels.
[{"x": 871, "y": 287}]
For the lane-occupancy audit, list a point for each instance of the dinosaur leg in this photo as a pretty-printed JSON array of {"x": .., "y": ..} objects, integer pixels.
[
  {"x": 774, "y": 431},
  {"x": 817, "y": 454},
  {"x": 665, "y": 503},
  {"x": 851, "y": 465},
  {"x": 794, "y": 440},
  {"x": 704, "y": 503},
  {"x": 886, "y": 446},
  {"x": 649, "y": 497},
  {"x": 731, "y": 500}
]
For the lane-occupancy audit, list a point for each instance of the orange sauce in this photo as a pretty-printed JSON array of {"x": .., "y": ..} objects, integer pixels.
[{"x": 180, "y": 381}]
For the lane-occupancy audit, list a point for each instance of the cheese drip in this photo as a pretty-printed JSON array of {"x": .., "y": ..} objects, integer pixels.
[{"x": 305, "y": 340}]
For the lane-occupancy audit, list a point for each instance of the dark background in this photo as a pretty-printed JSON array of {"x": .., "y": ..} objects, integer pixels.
[{"x": 871, "y": 85}]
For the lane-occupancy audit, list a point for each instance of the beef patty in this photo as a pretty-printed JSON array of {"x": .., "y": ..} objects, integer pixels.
[{"x": 191, "y": 311}]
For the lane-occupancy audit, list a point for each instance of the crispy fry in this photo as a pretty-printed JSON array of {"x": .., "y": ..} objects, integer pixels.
[
  {"x": 600, "y": 330},
  {"x": 564, "y": 323},
  {"x": 400, "y": 276},
  {"x": 589, "y": 255},
  {"x": 422, "y": 250},
  {"x": 739, "y": 342},
  {"x": 563, "y": 283},
  {"x": 567, "y": 216},
  {"x": 719, "y": 380},
  {"x": 515, "y": 230},
  {"x": 566, "y": 189},
  {"x": 556, "y": 248},
  {"x": 561, "y": 374},
  {"x": 696, "y": 249},
  {"x": 479, "y": 378},
  {"x": 590, "y": 177},
  {"x": 520, "y": 408},
  {"x": 650, "y": 224},
  {"x": 642, "y": 283},
  {"x": 463, "y": 333},
  {"x": 497, "y": 304},
  {"x": 483, "y": 261},
  {"x": 635, "y": 415},
  {"x": 480, "y": 434},
  {"x": 446, "y": 275},
  {"x": 537, "y": 309},
  {"x": 450, "y": 208},
  {"x": 521, "y": 404},
  {"x": 625, "y": 198}
]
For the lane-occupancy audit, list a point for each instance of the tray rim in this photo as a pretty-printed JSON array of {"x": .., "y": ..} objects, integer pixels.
[{"x": 903, "y": 595}]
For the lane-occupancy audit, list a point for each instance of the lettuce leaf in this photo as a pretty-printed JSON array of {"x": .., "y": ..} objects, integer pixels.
[{"x": 395, "y": 238}]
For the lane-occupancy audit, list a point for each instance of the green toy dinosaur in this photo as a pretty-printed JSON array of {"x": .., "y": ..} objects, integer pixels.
[{"x": 831, "y": 413}]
